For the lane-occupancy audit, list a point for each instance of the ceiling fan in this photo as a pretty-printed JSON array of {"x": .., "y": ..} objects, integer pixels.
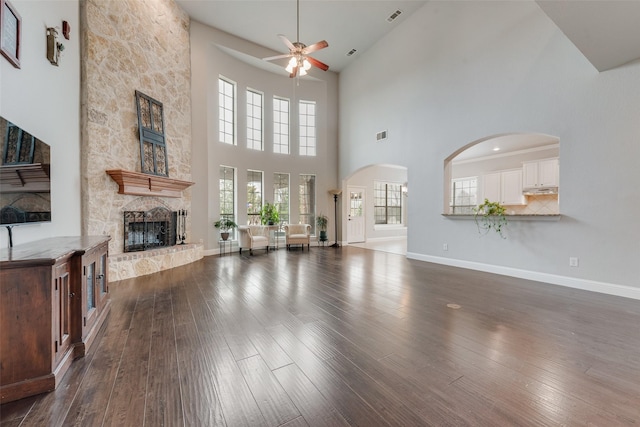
[{"x": 300, "y": 61}]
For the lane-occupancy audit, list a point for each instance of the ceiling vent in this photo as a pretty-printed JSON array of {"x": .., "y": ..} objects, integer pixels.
[
  {"x": 394, "y": 15},
  {"x": 381, "y": 135},
  {"x": 351, "y": 52}
]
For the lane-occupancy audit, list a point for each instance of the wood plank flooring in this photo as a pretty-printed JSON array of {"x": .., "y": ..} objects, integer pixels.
[{"x": 348, "y": 337}]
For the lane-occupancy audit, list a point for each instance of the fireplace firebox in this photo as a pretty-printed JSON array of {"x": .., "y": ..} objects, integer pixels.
[{"x": 145, "y": 230}]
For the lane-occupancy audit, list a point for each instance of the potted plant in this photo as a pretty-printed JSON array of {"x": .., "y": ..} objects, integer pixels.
[
  {"x": 490, "y": 215},
  {"x": 269, "y": 214},
  {"x": 225, "y": 225},
  {"x": 321, "y": 222}
]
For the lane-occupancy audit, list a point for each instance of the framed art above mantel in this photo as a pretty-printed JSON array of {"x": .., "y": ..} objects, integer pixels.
[{"x": 10, "y": 29}]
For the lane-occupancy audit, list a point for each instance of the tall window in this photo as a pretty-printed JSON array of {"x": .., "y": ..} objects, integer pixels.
[
  {"x": 254, "y": 196},
  {"x": 464, "y": 195},
  {"x": 281, "y": 195},
  {"x": 227, "y": 193},
  {"x": 307, "y": 201},
  {"x": 387, "y": 203},
  {"x": 307, "y": 128},
  {"x": 254, "y": 120},
  {"x": 227, "y": 111},
  {"x": 280, "y": 125}
]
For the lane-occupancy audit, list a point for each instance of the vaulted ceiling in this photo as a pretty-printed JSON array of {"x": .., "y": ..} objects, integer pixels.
[{"x": 607, "y": 32}]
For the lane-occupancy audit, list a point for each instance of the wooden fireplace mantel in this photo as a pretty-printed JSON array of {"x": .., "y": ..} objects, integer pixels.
[{"x": 143, "y": 184}]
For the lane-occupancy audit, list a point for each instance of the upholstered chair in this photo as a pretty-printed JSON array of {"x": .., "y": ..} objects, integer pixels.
[
  {"x": 297, "y": 234},
  {"x": 253, "y": 236}
]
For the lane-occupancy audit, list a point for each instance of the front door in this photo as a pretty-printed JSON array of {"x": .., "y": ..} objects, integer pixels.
[{"x": 355, "y": 215}]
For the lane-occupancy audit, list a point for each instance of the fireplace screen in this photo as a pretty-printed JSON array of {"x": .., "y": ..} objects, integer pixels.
[{"x": 144, "y": 230}]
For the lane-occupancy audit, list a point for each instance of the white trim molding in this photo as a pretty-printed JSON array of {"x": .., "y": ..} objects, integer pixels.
[{"x": 554, "y": 279}]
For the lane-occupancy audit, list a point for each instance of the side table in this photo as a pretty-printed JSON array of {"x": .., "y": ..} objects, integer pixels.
[{"x": 225, "y": 246}]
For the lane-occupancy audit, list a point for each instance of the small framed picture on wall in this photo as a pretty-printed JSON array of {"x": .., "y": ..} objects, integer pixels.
[{"x": 10, "y": 28}]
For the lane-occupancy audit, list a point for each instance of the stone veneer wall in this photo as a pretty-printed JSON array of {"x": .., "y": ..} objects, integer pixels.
[{"x": 130, "y": 45}]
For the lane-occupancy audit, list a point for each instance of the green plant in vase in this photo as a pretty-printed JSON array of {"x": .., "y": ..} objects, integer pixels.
[
  {"x": 321, "y": 222},
  {"x": 490, "y": 216},
  {"x": 225, "y": 225},
  {"x": 269, "y": 214}
]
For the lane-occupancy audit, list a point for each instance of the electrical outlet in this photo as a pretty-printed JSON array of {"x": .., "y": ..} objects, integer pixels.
[
  {"x": 445, "y": 247},
  {"x": 573, "y": 261}
]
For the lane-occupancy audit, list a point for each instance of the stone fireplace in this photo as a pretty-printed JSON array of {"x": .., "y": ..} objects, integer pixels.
[
  {"x": 117, "y": 61},
  {"x": 146, "y": 230}
]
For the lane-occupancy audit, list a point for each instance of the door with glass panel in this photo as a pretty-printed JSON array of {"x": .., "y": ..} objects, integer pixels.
[{"x": 356, "y": 215}]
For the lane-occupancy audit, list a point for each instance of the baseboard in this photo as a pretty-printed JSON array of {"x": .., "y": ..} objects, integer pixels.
[{"x": 554, "y": 279}]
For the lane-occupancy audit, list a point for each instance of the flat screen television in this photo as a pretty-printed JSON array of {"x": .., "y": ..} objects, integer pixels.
[{"x": 25, "y": 183}]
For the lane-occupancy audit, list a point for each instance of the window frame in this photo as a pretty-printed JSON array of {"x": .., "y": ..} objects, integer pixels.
[
  {"x": 221, "y": 178},
  {"x": 278, "y": 135},
  {"x": 285, "y": 214},
  {"x": 254, "y": 143},
  {"x": 253, "y": 215},
  {"x": 307, "y": 143},
  {"x": 467, "y": 208},
  {"x": 222, "y": 118},
  {"x": 387, "y": 206},
  {"x": 310, "y": 216}
]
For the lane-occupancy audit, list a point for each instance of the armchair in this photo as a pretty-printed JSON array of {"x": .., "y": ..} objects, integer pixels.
[
  {"x": 253, "y": 236},
  {"x": 297, "y": 234}
]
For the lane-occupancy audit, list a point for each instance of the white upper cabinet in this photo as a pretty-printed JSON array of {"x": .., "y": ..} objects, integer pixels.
[
  {"x": 504, "y": 187},
  {"x": 540, "y": 174}
]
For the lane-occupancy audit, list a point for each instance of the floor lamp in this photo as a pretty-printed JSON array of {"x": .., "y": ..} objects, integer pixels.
[{"x": 335, "y": 193}]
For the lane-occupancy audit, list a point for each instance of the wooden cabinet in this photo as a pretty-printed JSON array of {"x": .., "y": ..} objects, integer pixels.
[
  {"x": 95, "y": 290},
  {"x": 504, "y": 187},
  {"x": 42, "y": 295},
  {"x": 540, "y": 174}
]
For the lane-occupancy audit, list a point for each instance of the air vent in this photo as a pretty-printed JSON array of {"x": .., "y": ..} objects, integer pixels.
[
  {"x": 381, "y": 135},
  {"x": 394, "y": 15},
  {"x": 351, "y": 52}
]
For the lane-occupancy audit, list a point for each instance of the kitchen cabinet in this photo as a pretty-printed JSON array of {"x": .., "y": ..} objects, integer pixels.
[
  {"x": 43, "y": 307},
  {"x": 540, "y": 174},
  {"x": 504, "y": 187}
]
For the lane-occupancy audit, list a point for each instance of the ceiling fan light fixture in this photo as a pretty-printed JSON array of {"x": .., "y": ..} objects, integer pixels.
[
  {"x": 306, "y": 65},
  {"x": 302, "y": 71}
]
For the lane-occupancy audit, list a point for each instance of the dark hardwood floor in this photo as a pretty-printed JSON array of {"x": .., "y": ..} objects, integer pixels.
[{"x": 348, "y": 336}]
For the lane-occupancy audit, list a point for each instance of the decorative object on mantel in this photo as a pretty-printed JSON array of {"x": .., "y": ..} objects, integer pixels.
[
  {"x": 490, "y": 215},
  {"x": 182, "y": 226},
  {"x": 153, "y": 148},
  {"x": 142, "y": 184},
  {"x": 54, "y": 47},
  {"x": 225, "y": 225},
  {"x": 11, "y": 33}
]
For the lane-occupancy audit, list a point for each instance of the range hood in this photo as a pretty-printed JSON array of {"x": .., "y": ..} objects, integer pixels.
[{"x": 539, "y": 190}]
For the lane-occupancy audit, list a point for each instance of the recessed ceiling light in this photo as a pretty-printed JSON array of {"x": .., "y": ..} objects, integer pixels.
[{"x": 496, "y": 148}]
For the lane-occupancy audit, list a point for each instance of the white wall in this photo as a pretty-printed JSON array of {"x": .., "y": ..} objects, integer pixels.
[
  {"x": 45, "y": 100},
  {"x": 208, "y": 62},
  {"x": 455, "y": 72}
]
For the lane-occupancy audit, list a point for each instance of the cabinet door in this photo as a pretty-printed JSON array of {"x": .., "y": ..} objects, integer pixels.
[
  {"x": 548, "y": 173},
  {"x": 89, "y": 292},
  {"x": 61, "y": 319},
  {"x": 491, "y": 187},
  {"x": 512, "y": 188},
  {"x": 530, "y": 175}
]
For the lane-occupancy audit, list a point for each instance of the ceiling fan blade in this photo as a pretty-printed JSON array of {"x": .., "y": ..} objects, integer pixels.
[
  {"x": 314, "y": 47},
  {"x": 271, "y": 58},
  {"x": 318, "y": 64},
  {"x": 294, "y": 72},
  {"x": 286, "y": 41}
]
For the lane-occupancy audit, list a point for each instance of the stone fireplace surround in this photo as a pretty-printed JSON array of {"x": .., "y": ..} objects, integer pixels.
[
  {"x": 133, "y": 264},
  {"x": 118, "y": 59}
]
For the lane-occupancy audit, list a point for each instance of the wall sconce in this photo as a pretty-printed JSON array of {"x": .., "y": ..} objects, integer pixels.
[{"x": 54, "y": 47}]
